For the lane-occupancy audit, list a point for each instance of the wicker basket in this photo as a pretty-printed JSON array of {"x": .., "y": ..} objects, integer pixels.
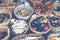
[
  {"x": 54, "y": 29},
  {"x": 6, "y": 22},
  {"x": 57, "y": 29},
  {"x": 33, "y": 36},
  {"x": 36, "y": 31},
  {"x": 6, "y": 29},
  {"x": 56, "y": 4},
  {"x": 54, "y": 36}
]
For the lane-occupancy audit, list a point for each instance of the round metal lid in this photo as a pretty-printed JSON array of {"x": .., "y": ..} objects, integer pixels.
[{"x": 23, "y": 11}]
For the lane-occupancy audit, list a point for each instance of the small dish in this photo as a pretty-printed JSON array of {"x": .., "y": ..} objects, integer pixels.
[
  {"x": 23, "y": 11},
  {"x": 19, "y": 27}
]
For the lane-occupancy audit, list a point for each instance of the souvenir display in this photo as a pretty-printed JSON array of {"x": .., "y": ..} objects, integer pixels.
[
  {"x": 54, "y": 36},
  {"x": 29, "y": 19},
  {"x": 29, "y": 37},
  {"x": 4, "y": 32},
  {"x": 23, "y": 11},
  {"x": 39, "y": 25},
  {"x": 19, "y": 27}
]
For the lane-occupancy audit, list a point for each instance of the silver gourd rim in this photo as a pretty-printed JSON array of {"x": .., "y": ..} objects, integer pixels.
[{"x": 18, "y": 8}]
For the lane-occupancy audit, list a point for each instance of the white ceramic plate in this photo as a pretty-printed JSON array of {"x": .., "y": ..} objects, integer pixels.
[{"x": 19, "y": 27}]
